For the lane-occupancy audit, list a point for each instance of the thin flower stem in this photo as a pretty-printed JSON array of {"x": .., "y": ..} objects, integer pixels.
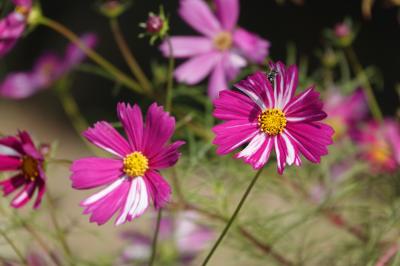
[
  {"x": 59, "y": 161},
  {"x": 41, "y": 243},
  {"x": 14, "y": 247},
  {"x": 155, "y": 238},
  {"x": 358, "y": 69},
  {"x": 170, "y": 81},
  {"x": 59, "y": 231},
  {"x": 232, "y": 219},
  {"x": 101, "y": 61},
  {"x": 129, "y": 57}
]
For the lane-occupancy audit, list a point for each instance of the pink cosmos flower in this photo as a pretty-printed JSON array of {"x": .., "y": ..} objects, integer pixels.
[
  {"x": 13, "y": 25},
  {"x": 48, "y": 69},
  {"x": 380, "y": 145},
  {"x": 182, "y": 236},
  {"x": 19, "y": 155},
  {"x": 342, "y": 30},
  {"x": 132, "y": 179},
  {"x": 344, "y": 112},
  {"x": 268, "y": 116},
  {"x": 221, "y": 52}
]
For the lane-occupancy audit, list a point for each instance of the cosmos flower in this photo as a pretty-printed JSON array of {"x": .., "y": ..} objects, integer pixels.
[
  {"x": 132, "y": 179},
  {"x": 182, "y": 237},
  {"x": 19, "y": 155},
  {"x": 268, "y": 116},
  {"x": 48, "y": 69},
  {"x": 380, "y": 145},
  {"x": 13, "y": 25},
  {"x": 221, "y": 52},
  {"x": 344, "y": 112}
]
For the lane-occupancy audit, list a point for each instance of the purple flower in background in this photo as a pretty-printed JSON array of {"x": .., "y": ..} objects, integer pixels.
[
  {"x": 13, "y": 25},
  {"x": 18, "y": 154},
  {"x": 48, "y": 69},
  {"x": 344, "y": 112},
  {"x": 221, "y": 52},
  {"x": 380, "y": 145},
  {"x": 182, "y": 237}
]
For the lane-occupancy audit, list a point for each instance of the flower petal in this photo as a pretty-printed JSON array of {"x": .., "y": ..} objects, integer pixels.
[
  {"x": 159, "y": 190},
  {"x": 257, "y": 151},
  {"x": 251, "y": 45},
  {"x": 24, "y": 196},
  {"x": 8, "y": 163},
  {"x": 228, "y": 13},
  {"x": 197, "y": 68},
  {"x": 167, "y": 156},
  {"x": 132, "y": 121},
  {"x": 232, "y": 105},
  {"x": 198, "y": 15},
  {"x": 183, "y": 46},
  {"x": 11, "y": 184},
  {"x": 93, "y": 172},
  {"x": 106, "y": 137},
  {"x": 104, "y": 192},
  {"x": 217, "y": 81}
]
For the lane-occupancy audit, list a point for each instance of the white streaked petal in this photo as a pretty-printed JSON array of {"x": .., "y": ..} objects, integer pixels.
[
  {"x": 252, "y": 96},
  {"x": 101, "y": 194},
  {"x": 108, "y": 149},
  {"x": 132, "y": 196},
  {"x": 5, "y": 150},
  {"x": 278, "y": 153},
  {"x": 290, "y": 150},
  {"x": 143, "y": 201},
  {"x": 295, "y": 119},
  {"x": 253, "y": 146},
  {"x": 264, "y": 156},
  {"x": 20, "y": 198}
]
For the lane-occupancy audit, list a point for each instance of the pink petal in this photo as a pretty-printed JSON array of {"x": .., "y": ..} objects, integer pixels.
[
  {"x": 158, "y": 188},
  {"x": 106, "y": 137},
  {"x": 41, "y": 190},
  {"x": 251, "y": 45},
  {"x": 158, "y": 130},
  {"x": 198, "y": 15},
  {"x": 217, "y": 81},
  {"x": 232, "y": 105},
  {"x": 11, "y": 184},
  {"x": 93, "y": 172},
  {"x": 228, "y": 13},
  {"x": 257, "y": 151},
  {"x": 19, "y": 86},
  {"x": 187, "y": 46},
  {"x": 167, "y": 156},
  {"x": 24, "y": 196},
  {"x": 197, "y": 68},
  {"x": 132, "y": 121},
  {"x": 8, "y": 163}
]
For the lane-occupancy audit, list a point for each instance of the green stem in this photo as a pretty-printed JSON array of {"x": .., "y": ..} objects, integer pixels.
[
  {"x": 358, "y": 69},
  {"x": 170, "y": 82},
  {"x": 14, "y": 247},
  {"x": 59, "y": 230},
  {"x": 101, "y": 61},
  {"x": 155, "y": 238},
  {"x": 128, "y": 56},
  {"x": 232, "y": 219}
]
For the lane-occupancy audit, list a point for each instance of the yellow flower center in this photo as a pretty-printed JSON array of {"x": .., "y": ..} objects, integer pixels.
[
  {"x": 223, "y": 41},
  {"x": 136, "y": 164},
  {"x": 30, "y": 168},
  {"x": 380, "y": 152},
  {"x": 22, "y": 10},
  {"x": 272, "y": 121}
]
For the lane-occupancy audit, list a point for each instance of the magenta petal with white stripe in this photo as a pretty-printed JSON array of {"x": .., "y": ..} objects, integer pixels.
[
  {"x": 131, "y": 181},
  {"x": 268, "y": 117},
  {"x": 19, "y": 154}
]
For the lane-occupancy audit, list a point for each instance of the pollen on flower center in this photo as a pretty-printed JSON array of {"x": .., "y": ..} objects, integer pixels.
[
  {"x": 223, "y": 41},
  {"x": 136, "y": 164},
  {"x": 272, "y": 121},
  {"x": 30, "y": 168}
]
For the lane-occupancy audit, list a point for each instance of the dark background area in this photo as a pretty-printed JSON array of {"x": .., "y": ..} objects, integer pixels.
[{"x": 378, "y": 42}]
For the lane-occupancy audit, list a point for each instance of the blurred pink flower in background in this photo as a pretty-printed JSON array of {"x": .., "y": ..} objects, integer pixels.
[
  {"x": 48, "y": 68},
  {"x": 13, "y": 25},
  {"x": 380, "y": 145},
  {"x": 19, "y": 155},
  {"x": 344, "y": 112},
  {"x": 221, "y": 52},
  {"x": 182, "y": 235},
  {"x": 268, "y": 116},
  {"x": 342, "y": 30},
  {"x": 132, "y": 179}
]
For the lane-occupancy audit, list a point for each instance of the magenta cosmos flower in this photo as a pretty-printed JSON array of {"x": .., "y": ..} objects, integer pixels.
[
  {"x": 269, "y": 116},
  {"x": 13, "y": 25},
  {"x": 380, "y": 145},
  {"x": 19, "y": 155},
  {"x": 345, "y": 112},
  {"x": 222, "y": 51},
  {"x": 132, "y": 179},
  {"x": 48, "y": 69}
]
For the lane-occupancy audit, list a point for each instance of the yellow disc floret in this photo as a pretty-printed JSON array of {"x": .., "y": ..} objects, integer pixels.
[
  {"x": 30, "y": 168},
  {"x": 272, "y": 121},
  {"x": 136, "y": 164},
  {"x": 223, "y": 41}
]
